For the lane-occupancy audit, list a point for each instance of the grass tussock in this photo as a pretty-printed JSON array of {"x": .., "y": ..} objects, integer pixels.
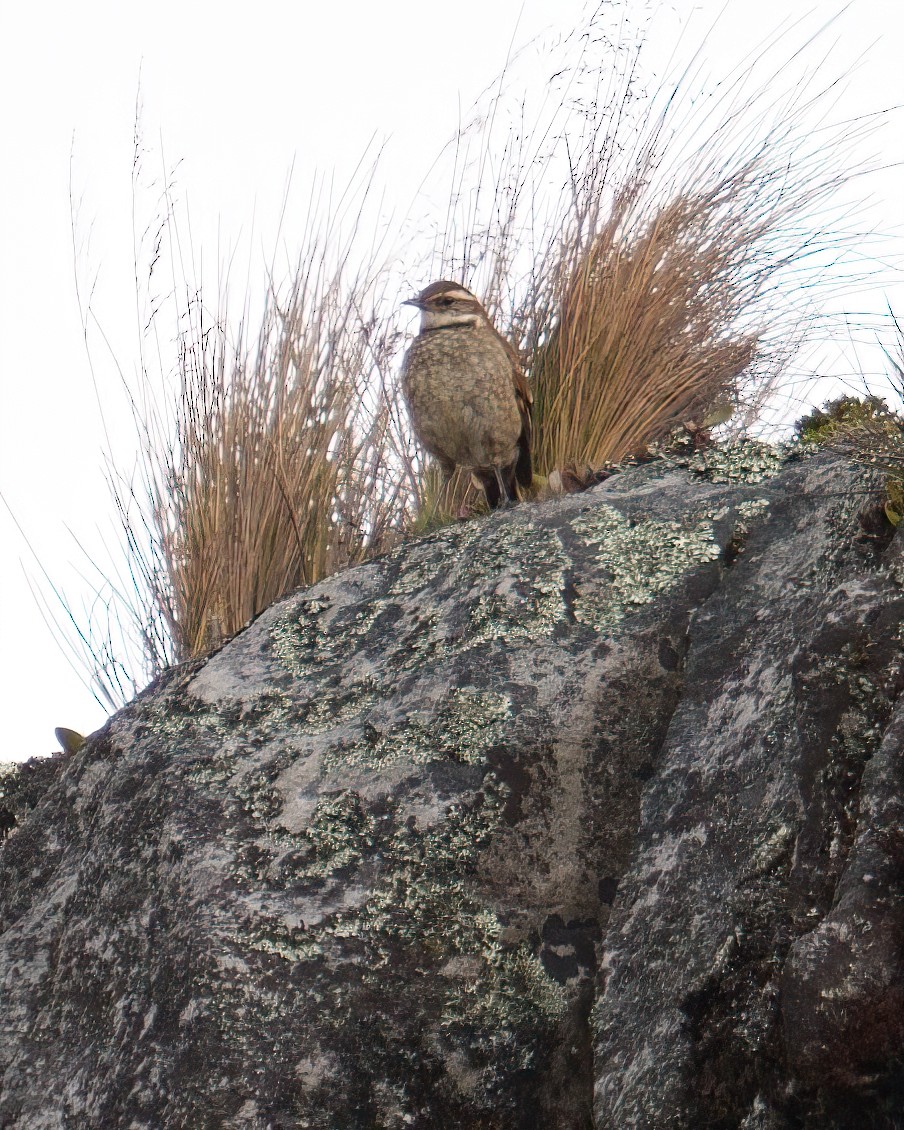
[
  {"x": 278, "y": 475},
  {"x": 651, "y": 260},
  {"x": 639, "y": 342},
  {"x": 266, "y": 461}
]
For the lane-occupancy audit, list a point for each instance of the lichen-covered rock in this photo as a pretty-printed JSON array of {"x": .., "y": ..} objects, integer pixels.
[
  {"x": 753, "y": 969},
  {"x": 587, "y": 814}
]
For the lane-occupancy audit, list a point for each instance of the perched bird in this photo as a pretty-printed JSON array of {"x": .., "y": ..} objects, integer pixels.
[{"x": 468, "y": 399}]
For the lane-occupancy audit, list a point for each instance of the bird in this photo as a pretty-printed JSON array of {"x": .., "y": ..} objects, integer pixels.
[{"x": 466, "y": 394}]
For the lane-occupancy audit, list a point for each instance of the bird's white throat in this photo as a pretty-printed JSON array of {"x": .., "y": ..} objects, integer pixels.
[{"x": 439, "y": 319}]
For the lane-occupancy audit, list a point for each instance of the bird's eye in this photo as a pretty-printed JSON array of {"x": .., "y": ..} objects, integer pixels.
[{"x": 445, "y": 301}]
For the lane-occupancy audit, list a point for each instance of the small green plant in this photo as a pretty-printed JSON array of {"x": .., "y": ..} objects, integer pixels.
[
  {"x": 868, "y": 431},
  {"x": 843, "y": 416}
]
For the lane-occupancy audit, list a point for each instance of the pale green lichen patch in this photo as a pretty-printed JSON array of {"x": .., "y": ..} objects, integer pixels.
[
  {"x": 325, "y": 647},
  {"x": 528, "y": 602},
  {"x": 776, "y": 849},
  {"x": 271, "y": 716},
  {"x": 339, "y": 835},
  {"x": 517, "y": 974},
  {"x": 643, "y": 560},
  {"x": 753, "y": 508},
  {"x": 299, "y": 639},
  {"x": 213, "y": 771},
  {"x": 163, "y": 721},
  {"x": 429, "y": 902},
  {"x": 330, "y": 712},
  {"x": 861, "y": 726},
  {"x": 420, "y": 563},
  {"x": 508, "y": 575},
  {"x": 748, "y": 513},
  {"x": 10, "y": 771},
  {"x": 418, "y": 908},
  {"x": 429, "y": 560},
  {"x": 270, "y": 935},
  {"x": 465, "y": 726},
  {"x": 259, "y": 797},
  {"x": 749, "y": 461}
]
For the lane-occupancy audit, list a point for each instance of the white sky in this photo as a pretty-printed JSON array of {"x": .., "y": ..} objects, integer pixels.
[{"x": 236, "y": 94}]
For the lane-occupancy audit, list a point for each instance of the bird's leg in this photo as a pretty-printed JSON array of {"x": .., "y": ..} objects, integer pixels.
[
  {"x": 492, "y": 488},
  {"x": 505, "y": 485},
  {"x": 505, "y": 500}
]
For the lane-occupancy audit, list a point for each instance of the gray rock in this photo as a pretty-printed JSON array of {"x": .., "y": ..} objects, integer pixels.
[{"x": 585, "y": 815}]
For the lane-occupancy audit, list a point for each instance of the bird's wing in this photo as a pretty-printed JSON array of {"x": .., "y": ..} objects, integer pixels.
[{"x": 525, "y": 400}]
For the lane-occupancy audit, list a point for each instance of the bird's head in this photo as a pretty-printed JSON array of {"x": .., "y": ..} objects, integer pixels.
[{"x": 447, "y": 304}]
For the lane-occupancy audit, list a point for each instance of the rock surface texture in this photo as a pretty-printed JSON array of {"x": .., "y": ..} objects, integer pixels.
[{"x": 585, "y": 815}]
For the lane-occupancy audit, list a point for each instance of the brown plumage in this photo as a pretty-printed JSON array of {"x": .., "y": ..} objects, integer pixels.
[{"x": 469, "y": 402}]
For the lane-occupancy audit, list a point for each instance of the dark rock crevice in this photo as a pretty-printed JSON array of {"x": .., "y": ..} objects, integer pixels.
[{"x": 752, "y": 894}]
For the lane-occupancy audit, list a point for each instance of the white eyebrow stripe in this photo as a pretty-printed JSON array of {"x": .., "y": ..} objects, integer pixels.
[{"x": 465, "y": 294}]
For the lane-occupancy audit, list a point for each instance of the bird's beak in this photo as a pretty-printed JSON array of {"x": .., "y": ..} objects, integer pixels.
[{"x": 413, "y": 302}]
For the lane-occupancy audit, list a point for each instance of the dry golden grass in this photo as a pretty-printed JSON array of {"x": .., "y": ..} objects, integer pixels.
[
  {"x": 279, "y": 469},
  {"x": 265, "y": 462},
  {"x": 277, "y": 476},
  {"x": 638, "y": 343},
  {"x": 681, "y": 265}
]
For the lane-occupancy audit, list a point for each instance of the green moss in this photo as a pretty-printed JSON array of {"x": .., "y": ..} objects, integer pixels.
[
  {"x": 844, "y": 414},
  {"x": 260, "y": 799},
  {"x": 894, "y": 501},
  {"x": 517, "y": 976},
  {"x": 867, "y": 429}
]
